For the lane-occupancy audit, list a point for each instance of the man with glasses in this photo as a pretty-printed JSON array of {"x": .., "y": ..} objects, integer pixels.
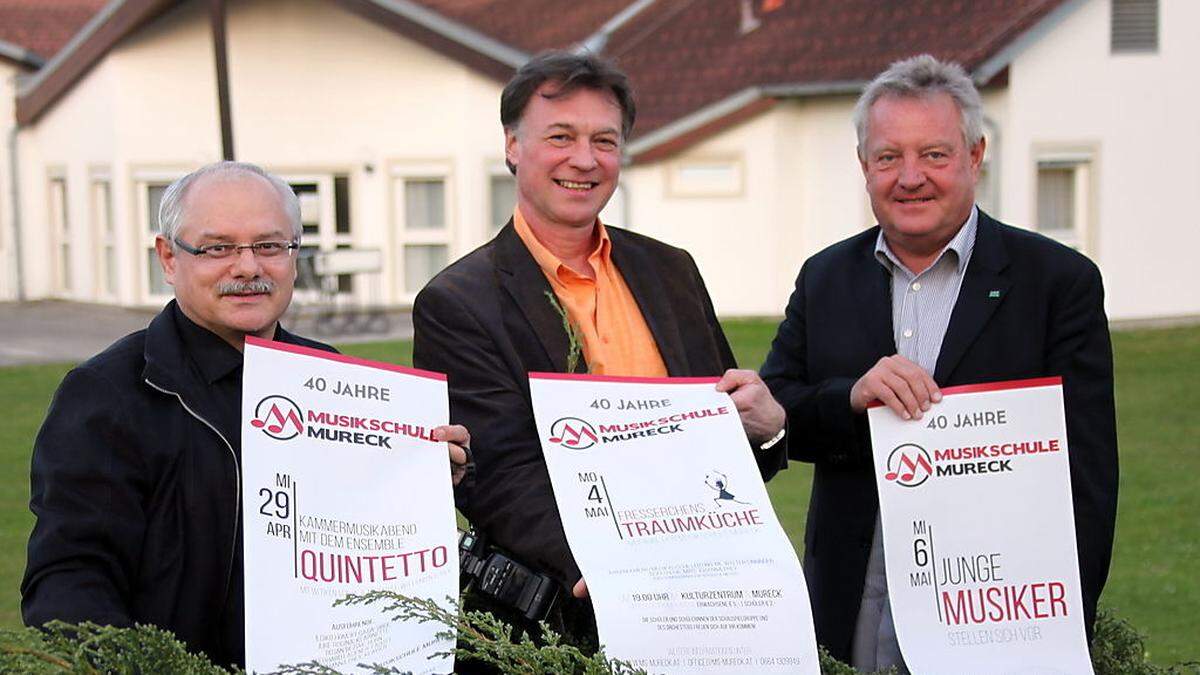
[{"x": 136, "y": 478}]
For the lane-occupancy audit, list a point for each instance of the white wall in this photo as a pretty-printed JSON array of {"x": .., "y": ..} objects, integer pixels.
[
  {"x": 1137, "y": 114},
  {"x": 801, "y": 190},
  {"x": 150, "y": 105},
  {"x": 318, "y": 90},
  {"x": 314, "y": 90}
]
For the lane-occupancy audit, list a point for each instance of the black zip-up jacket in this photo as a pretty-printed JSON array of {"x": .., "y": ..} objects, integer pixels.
[{"x": 136, "y": 490}]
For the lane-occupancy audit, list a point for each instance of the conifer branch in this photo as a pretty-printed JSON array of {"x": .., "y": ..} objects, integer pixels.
[{"x": 574, "y": 340}]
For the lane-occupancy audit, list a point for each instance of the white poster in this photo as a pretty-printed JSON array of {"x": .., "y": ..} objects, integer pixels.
[
  {"x": 688, "y": 568},
  {"x": 979, "y": 534},
  {"x": 343, "y": 492}
]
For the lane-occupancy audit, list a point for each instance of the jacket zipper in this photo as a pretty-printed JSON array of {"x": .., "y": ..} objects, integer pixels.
[{"x": 237, "y": 504}]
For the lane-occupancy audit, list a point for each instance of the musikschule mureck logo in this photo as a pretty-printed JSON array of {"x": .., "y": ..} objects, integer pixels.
[
  {"x": 908, "y": 465},
  {"x": 573, "y": 433},
  {"x": 279, "y": 417}
]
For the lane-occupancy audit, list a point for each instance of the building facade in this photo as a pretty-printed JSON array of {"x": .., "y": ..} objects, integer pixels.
[{"x": 384, "y": 117}]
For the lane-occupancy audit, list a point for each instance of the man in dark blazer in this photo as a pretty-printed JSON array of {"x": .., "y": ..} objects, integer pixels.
[
  {"x": 938, "y": 294},
  {"x": 639, "y": 305}
]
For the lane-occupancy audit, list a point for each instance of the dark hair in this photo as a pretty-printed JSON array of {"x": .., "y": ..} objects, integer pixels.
[{"x": 570, "y": 71}]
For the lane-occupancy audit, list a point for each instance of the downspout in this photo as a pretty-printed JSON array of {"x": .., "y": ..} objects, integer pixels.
[
  {"x": 217, "y": 13},
  {"x": 14, "y": 185}
]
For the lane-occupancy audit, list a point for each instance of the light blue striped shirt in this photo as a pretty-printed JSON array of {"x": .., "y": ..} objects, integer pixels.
[
  {"x": 922, "y": 303},
  {"x": 921, "y": 308}
]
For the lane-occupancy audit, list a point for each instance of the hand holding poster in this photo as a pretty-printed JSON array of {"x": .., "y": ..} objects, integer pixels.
[
  {"x": 979, "y": 532},
  {"x": 343, "y": 492},
  {"x": 667, "y": 516}
]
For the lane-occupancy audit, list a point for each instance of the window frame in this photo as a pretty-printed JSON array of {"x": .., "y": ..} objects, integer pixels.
[
  {"x": 1084, "y": 159},
  {"x": 142, "y": 180},
  {"x": 105, "y": 234},
  {"x": 62, "y": 246},
  {"x": 399, "y": 174}
]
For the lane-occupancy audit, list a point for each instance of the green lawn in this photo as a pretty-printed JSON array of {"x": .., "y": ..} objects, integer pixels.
[{"x": 1158, "y": 530}]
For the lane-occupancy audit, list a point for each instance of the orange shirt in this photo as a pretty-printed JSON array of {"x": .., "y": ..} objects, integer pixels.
[{"x": 616, "y": 339}]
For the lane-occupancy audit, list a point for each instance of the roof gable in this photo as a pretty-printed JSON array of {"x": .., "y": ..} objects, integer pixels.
[
  {"x": 696, "y": 65},
  {"x": 32, "y": 31},
  {"x": 700, "y": 56}
]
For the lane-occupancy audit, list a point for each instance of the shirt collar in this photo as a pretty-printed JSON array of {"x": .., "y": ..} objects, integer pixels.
[
  {"x": 552, "y": 266},
  {"x": 213, "y": 356},
  {"x": 961, "y": 246}
]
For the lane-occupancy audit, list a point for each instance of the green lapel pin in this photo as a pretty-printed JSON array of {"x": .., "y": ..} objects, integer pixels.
[{"x": 994, "y": 294}]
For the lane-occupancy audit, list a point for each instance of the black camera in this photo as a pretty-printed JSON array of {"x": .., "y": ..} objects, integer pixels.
[{"x": 492, "y": 573}]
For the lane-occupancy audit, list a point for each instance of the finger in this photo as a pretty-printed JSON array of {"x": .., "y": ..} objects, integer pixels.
[
  {"x": 894, "y": 393},
  {"x": 580, "y": 590},
  {"x": 452, "y": 433},
  {"x": 744, "y": 399},
  {"x": 917, "y": 383},
  {"x": 914, "y": 377},
  {"x": 935, "y": 392},
  {"x": 458, "y": 455},
  {"x": 899, "y": 387},
  {"x": 889, "y": 398},
  {"x": 921, "y": 383},
  {"x": 735, "y": 378}
]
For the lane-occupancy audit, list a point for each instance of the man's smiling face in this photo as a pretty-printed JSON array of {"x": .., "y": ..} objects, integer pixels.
[
  {"x": 242, "y": 294},
  {"x": 567, "y": 150},
  {"x": 919, "y": 171}
]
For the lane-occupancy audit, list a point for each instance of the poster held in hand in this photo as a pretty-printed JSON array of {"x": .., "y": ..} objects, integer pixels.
[
  {"x": 979, "y": 531},
  {"x": 688, "y": 569},
  {"x": 344, "y": 491}
]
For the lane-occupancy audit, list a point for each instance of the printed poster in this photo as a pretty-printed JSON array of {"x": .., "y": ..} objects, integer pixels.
[
  {"x": 687, "y": 566},
  {"x": 979, "y": 532},
  {"x": 344, "y": 491}
]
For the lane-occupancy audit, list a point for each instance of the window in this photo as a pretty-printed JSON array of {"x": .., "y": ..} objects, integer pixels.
[
  {"x": 1063, "y": 190},
  {"x": 1134, "y": 26},
  {"x": 105, "y": 236},
  {"x": 502, "y": 199},
  {"x": 325, "y": 222},
  {"x": 421, "y": 263},
  {"x": 60, "y": 229},
  {"x": 150, "y": 194},
  {"x": 424, "y": 231}
]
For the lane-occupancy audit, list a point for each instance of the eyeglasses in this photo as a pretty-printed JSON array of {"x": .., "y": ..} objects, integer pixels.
[{"x": 260, "y": 249}]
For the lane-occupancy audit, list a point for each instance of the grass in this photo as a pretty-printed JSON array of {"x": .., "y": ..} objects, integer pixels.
[{"x": 1157, "y": 553}]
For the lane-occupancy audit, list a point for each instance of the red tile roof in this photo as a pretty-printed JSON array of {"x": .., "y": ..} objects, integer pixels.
[
  {"x": 683, "y": 55},
  {"x": 44, "y": 26},
  {"x": 697, "y": 55}
]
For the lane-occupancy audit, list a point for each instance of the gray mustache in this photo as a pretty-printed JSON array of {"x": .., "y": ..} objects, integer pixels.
[{"x": 252, "y": 286}]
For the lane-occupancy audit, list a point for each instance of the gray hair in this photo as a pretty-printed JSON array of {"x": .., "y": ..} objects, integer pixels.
[
  {"x": 170, "y": 211},
  {"x": 918, "y": 77}
]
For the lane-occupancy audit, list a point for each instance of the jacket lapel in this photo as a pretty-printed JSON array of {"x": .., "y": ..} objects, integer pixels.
[
  {"x": 873, "y": 295},
  {"x": 524, "y": 282},
  {"x": 984, "y": 287},
  {"x": 640, "y": 273}
]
